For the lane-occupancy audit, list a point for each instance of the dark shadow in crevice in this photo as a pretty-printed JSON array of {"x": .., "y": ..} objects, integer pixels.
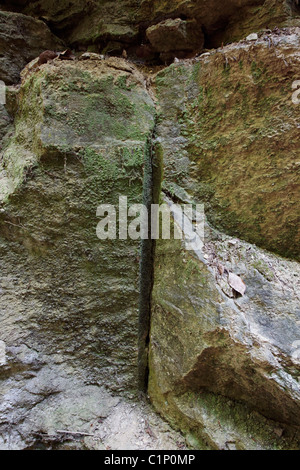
[{"x": 152, "y": 188}]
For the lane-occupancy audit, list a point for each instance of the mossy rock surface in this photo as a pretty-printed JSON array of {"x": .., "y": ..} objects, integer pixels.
[
  {"x": 230, "y": 136},
  {"x": 80, "y": 140},
  {"x": 224, "y": 368}
]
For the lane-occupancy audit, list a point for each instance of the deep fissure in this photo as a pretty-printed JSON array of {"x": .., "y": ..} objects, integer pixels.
[{"x": 151, "y": 191}]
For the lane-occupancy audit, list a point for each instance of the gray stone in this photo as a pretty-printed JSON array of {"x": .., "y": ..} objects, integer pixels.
[
  {"x": 22, "y": 38},
  {"x": 224, "y": 368},
  {"x": 69, "y": 301}
]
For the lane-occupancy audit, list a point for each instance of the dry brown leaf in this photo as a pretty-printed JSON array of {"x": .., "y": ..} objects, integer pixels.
[
  {"x": 237, "y": 283},
  {"x": 221, "y": 269}
]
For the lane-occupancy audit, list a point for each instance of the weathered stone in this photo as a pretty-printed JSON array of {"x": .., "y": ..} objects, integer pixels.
[
  {"x": 96, "y": 22},
  {"x": 69, "y": 301},
  {"x": 176, "y": 35},
  {"x": 2, "y": 353},
  {"x": 22, "y": 38},
  {"x": 229, "y": 134},
  {"x": 7, "y": 112},
  {"x": 5, "y": 123},
  {"x": 252, "y": 37},
  {"x": 223, "y": 369},
  {"x": 224, "y": 365},
  {"x": 58, "y": 411},
  {"x": 269, "y": 14},
  {"x": 224, "y": 342}
]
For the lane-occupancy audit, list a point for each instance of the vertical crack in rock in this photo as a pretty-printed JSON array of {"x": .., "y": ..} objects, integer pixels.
[{"x": 152, "y": 186}]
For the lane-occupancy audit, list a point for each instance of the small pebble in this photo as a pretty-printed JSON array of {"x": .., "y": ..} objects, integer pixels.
[{"x": 252, "y": 37}]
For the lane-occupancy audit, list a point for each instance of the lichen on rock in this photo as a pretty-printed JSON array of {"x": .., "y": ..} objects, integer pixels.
[
  {"x": 229, "y": 133},
  {"x": 92, "y": 328},
  {"x": 80, "y": 138},
  {"x": 223, "y": 368}
]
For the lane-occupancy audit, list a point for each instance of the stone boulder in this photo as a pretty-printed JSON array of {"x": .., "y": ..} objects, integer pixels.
[
  {"x": 175, "y": 36},
  {"x": 229, "y": 136},
  {"x": 224, "y": 367},
  {"x": 69, "y": 301},
  {"x": 22, "y": 38}
]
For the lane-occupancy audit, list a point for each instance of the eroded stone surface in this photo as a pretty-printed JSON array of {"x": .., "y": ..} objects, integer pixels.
[
  {"x": 225, "y": 368},
  {"x": 174, "y": 37},
  {"x": 69, "y": 301},
  {"x": 117, "y": 24},
  {"x": 22, "y": 38},
  {"x": 57, "y": 410},
  {"x": 229, "y": 135}
]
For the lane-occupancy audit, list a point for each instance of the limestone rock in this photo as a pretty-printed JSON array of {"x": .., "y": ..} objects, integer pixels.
[
  {"x": 5, "y": 122},
  {"x": 252, "y": 37},
  {"x": 95, "y": 23},
  {"x": 224, "y": 349},
  {"x": 229, "y": 135},
  {"x": 91, "y": 56},
  {"x": 69, "y": 301},
  {"x": 22, "y": 38},
  {"x": 176, "y": 35},
  {"x": 224, "y": 370}
]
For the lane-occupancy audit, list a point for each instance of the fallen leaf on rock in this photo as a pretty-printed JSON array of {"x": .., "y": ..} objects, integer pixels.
[
  {"x": 221, "y": 269},
  {"x": 278, "y": 432},
  {"x": 236, "y": 283}
]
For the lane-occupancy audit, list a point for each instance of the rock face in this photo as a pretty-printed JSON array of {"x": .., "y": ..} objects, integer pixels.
[
  {"x": 175, "y": 37},
  {"x": 114, "y": 25},
  {"x": 225, "y": 368},
  {"x": 22, "y": 38},
  {"x": 69, "y": 301},
  {"x": 224, "y": 343},
  {"x": 79, "y": 334},
  {"x": 229, "y": 133},
  {"x": 5, "y": 122}
]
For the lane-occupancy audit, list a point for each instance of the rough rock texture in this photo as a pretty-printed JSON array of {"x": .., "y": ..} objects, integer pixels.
[
  {"x": 124, "y": 23},
  {"x": 175, "y": 37},
  {"x": 225, "y": 368},
  {"x": 22, "y": 38},
  {"x": 69, "y": 301},
  {"x": 5, "y": 122},
  {"x": 60, "y": 412},
  {"x": 270, "y": 14},
  {"x": 229, "y": 134},
  {"x": 74, "y": 310}
]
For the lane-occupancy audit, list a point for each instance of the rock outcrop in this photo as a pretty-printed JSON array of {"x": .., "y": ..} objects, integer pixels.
[
  {"x": 111, "y": 26},
  {"x": 224, "y": 368},
  {"x": 224, "y": 344},
  {"x": 175, "y": 38},
  {"x": 69, "y": 301},
  {"x": 229, "y": 133},
  {"x": 213, "y": 333},
  {"x": 22, "y": 38}
]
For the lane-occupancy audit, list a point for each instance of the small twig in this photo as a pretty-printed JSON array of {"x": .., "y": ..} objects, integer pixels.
[
  {"x": 78, "y": 434},
  {"x": 65, "y": 164},
  {"x": 52, "y": 175},
  {"x": 15, "y": 225}
]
